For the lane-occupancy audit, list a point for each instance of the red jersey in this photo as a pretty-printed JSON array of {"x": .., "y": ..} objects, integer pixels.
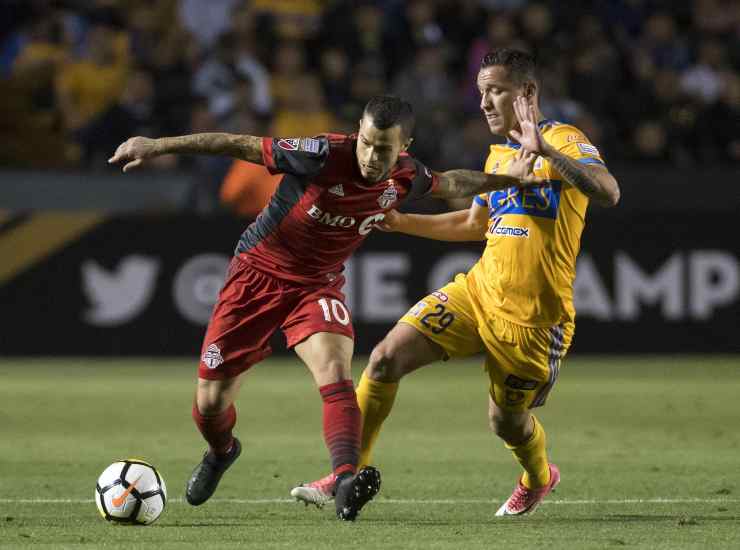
[{"x": 323, "y": 209}]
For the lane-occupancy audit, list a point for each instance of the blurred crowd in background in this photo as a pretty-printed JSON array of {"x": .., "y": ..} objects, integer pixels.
[{"x": 648, "y": 81}]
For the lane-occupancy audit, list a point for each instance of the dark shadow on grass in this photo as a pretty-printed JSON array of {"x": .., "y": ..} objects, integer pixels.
[
  {"x": 202, "y": 524},
  {"x": 247, "y": 522},
  {"x": 638, "y": 518},
  {"x": 618, "y": 518}
]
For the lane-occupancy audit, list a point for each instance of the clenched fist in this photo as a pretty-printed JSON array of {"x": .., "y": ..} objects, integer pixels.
[{"x": 391, "y": 222}]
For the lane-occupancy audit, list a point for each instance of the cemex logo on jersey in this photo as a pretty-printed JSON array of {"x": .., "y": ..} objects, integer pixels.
[
  {"x": 389, "y": 196},
  {"x": 507, "y": 230},
  {"x": 337, "y": 220}
]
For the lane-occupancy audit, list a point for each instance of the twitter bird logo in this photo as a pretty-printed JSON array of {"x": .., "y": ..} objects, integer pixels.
[{"x": 119, "y": 295}]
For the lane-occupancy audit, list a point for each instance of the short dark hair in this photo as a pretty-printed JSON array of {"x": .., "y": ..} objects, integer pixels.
[
  {"x": 387, "y": 111},
  {"x": 521, "y": 66}
]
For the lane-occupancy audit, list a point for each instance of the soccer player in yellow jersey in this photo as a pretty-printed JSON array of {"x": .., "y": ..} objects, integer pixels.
[{"x": 516, "y": 303}]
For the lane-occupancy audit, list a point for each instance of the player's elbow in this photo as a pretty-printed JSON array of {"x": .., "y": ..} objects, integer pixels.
[
  {"x": 612, "y": 196},
  {"x": 610, "y": 193}
]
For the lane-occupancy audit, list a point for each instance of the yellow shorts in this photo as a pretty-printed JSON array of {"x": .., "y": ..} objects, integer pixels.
[{"x": 522, "y": 362}]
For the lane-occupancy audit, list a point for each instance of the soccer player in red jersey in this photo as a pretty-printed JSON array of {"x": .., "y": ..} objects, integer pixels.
[{"x": 287, "y": 272}]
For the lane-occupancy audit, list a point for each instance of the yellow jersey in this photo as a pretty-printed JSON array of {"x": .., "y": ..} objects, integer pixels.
[{"x": 526, "y": 272}]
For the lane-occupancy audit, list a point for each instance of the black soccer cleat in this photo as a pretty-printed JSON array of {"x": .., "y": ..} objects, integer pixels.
[
  {"x": 353, "y": 492},
  {"x": 204, "y": 479}
]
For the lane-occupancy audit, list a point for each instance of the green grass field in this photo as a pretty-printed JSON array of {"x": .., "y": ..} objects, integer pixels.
[{"x": 649, "y": 451}]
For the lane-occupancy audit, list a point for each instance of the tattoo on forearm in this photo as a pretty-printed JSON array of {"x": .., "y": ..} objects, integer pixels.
[
  {"x": 577, "y": 175},
  {"x": 466, "y": 183},
  {"x": 243, "y": 147},
  {"x": 461, "y": 183}
]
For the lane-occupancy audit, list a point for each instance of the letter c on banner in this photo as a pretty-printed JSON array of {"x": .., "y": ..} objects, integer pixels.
[{"x": 197, "y": 284}]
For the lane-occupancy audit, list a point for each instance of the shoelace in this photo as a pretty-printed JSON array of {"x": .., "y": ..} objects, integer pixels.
[
  {"x": 324, "y": 485},
  {"x": 519, "y": 498}
]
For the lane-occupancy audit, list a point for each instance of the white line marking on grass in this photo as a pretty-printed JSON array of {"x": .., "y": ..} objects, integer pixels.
[{"x": 687, "y": 500}]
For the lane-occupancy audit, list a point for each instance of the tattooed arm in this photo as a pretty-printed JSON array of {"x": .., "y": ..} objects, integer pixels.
[
  {"x": 466, "y": 183},
  {"x": 592, "y": 180},
  {"x": 133, "y": 151}
]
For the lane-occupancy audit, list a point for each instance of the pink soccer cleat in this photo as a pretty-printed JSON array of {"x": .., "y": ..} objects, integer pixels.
[
  {"x": 524, "y": 501},
  {"x": 317, "y": 492}
]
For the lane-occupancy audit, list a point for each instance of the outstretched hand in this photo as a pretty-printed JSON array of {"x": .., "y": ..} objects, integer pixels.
[
  {"x": 529, "y": 135},
  {"x": 133, "y": 151}
]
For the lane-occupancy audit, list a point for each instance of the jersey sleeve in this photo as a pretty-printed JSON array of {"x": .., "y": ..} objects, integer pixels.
[
  {"x": 304, "y": 157},
  {"x": 481, "y": 200},
  {"x": 424, "y": 181},
  {"x": 573, "y": 143}
]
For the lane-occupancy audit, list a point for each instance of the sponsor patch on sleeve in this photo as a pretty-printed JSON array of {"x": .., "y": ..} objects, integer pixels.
[
  {"x": 417, "y": 309},
  {"x": 441, "y": 296},
  {"x": 310, "y": 145},
  {"x": 288, "y": 144},
  {"x": 587, "y": 149}
]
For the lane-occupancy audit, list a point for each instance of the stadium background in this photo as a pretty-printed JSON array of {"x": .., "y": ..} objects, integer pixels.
[
  {"x": 95, "y": 265},
  {"x": 131, "y": 264}
]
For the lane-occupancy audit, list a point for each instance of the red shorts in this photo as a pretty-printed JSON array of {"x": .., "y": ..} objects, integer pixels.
[{"x": 252, "y": 306}]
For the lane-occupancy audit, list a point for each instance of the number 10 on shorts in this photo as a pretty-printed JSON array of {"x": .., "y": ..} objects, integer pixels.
[{"x": 334, "y": 310}]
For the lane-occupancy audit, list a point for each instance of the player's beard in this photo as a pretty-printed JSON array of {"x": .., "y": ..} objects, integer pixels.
[{"x": 372, "y": 180}]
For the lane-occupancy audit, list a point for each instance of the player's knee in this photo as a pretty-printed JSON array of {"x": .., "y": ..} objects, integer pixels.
[
  {"x": 511, "y": 427},
  {"x": 211, "y": 405},
  {"x": 213, "y": 397},
  {"x": 499, "y": 425},
  {"x": 330, "y": 368},
  {"x": 387, "y": 363},
  {"x": 334, "y": 369}
]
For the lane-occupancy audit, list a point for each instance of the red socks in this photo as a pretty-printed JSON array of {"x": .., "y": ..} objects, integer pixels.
[
  {"x": 216, "y": 429},
  {"x": 342, "y": 425}
]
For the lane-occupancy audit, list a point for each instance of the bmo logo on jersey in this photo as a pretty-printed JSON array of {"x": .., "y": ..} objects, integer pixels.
[{"x": 337, "y": 220}]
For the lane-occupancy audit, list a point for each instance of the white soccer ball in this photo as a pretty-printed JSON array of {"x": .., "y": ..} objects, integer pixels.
[{"x": 131, "y": 491}]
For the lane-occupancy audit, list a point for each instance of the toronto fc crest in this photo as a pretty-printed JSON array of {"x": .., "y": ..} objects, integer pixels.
[
  {"x": 389, "y": 196},
  {"x": 212, "y": 357}
]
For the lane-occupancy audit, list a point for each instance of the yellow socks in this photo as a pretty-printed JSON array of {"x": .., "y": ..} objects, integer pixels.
[
  {"x": 376, "y": 401},
  {"x": 532, "y": 456}
]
